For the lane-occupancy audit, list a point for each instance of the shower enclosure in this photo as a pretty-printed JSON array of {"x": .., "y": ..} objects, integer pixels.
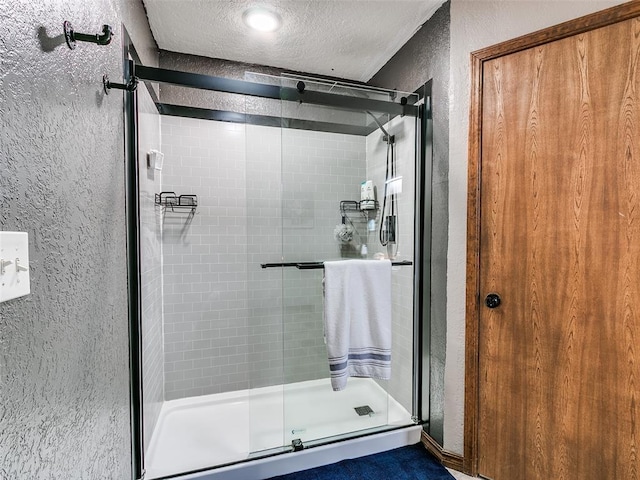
[{"x": 243, "y": 189}]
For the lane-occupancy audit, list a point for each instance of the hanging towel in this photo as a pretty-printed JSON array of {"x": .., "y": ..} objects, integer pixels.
[{"x": 357, "y": 319}]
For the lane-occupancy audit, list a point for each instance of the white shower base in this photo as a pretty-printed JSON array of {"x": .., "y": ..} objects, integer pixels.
[{"x": 200, "y": 432}]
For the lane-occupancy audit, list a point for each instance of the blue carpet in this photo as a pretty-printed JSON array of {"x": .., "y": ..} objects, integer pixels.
[{"x": 405, "y": 463}]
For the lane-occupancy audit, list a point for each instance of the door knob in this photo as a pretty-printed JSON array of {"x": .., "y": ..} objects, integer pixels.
[{"x": 492, "y": 300}]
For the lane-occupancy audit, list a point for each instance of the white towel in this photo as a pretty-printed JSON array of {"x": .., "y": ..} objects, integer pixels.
[{"x": 357, "y": 319}]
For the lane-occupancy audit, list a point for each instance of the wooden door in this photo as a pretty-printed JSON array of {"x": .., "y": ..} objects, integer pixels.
[{"x": 559, "y": 241}]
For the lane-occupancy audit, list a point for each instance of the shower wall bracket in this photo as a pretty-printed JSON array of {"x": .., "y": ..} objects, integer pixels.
[
  {"x": 71, "y": 36},
  {"x": 130, "y": 86}
]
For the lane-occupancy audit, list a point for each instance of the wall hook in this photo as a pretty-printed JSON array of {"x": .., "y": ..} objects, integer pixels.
[
  {"x": 72, "y": 36},
  {"x": 130, "y": 86}
]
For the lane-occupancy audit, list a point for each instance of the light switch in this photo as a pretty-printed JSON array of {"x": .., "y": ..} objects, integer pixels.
[{"x": 14, "y": 265}]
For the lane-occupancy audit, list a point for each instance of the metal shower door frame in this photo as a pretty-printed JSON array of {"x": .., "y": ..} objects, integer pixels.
[{"x": 422, "y": 212}]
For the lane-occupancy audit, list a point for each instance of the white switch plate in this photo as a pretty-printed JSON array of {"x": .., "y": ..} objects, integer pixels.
[{"x": 14, "y": 265}]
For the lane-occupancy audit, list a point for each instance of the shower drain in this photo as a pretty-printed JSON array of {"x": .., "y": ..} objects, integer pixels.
[{"x": 364, "y": 410}]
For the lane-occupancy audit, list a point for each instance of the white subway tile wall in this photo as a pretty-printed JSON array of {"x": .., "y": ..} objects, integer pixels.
[
  {"x": 264, "y": 238},
  {"x": 204, "y": 256},
  {"x": 265, "y": 195},
  {"x": 319, "y": 170}
]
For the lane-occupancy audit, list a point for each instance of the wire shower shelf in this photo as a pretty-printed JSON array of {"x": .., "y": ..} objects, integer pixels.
[{"x": 179, "y": 203}]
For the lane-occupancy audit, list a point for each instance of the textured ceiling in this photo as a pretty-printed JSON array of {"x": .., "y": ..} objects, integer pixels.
[{"x": 349, "y": 39}]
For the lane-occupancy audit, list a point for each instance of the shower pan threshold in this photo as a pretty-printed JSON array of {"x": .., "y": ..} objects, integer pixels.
[{"x": 201, "y": 432}]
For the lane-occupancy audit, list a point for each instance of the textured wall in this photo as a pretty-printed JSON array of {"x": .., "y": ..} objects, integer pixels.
[
  {"x": 425, "y": 57},
  {"x": 150, "y": 265},
  {"x": 64, "y": 374}
]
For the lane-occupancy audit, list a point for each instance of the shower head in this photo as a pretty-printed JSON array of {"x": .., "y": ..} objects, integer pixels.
[{"x": 386, "y": 136}]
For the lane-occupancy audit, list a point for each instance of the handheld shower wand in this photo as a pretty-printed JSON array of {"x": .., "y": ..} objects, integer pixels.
[{"x": 389, "y": 219}]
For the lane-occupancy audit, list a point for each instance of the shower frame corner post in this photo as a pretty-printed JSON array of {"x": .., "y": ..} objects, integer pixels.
[
  {"x": 422, "y": 262},
  {"x": 133, "y": 259}
]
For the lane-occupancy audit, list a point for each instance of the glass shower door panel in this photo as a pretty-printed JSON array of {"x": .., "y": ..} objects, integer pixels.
[
  {"x": 320, "y": 169},
  {"x": 264, "y": 231},
  {"x": 400, "y": 184}
]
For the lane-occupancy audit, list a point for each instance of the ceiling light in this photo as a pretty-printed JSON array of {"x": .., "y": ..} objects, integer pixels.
[{"x": 261, "y": 19}]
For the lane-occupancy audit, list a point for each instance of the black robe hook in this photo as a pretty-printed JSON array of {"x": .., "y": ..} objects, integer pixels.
[{"x": 72, "y": 36}]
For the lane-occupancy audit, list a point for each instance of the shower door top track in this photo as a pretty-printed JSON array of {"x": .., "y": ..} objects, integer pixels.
[{"x": 227, "y": 85}]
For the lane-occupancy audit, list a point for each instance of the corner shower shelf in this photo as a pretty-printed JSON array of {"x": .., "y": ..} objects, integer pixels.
[{"x": 177, "y": 203}]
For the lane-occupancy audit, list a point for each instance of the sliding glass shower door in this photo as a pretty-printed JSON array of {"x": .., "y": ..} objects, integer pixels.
[
  {"x": 305, "y": 206},
  {"x": 298, "y": 172},
  {"x": 264, "y": 289}
]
